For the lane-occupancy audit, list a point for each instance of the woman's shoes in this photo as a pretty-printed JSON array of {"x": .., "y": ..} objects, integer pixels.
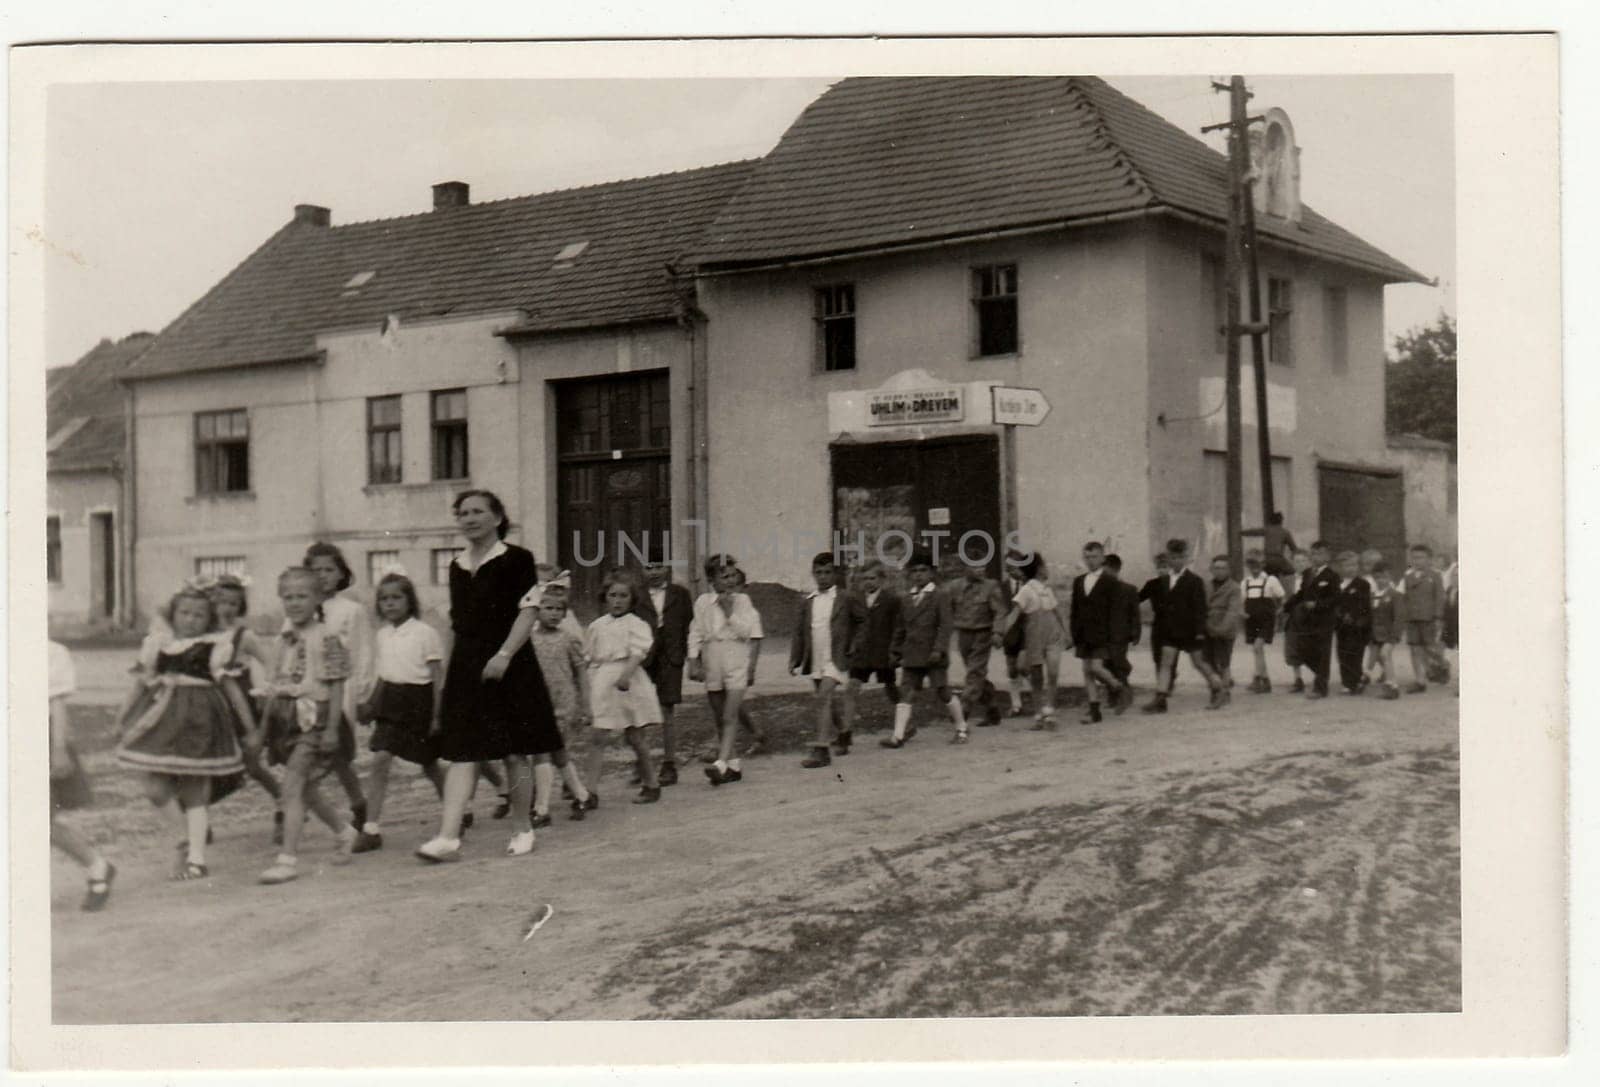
[
  {"x": 439, "y": 850},
  {"x": 281, "y": 872},
  {"x": 539, "y": 822},
  {"x": 648, "y": 795}
]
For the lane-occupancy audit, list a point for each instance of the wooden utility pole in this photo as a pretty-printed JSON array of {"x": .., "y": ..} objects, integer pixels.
[
  {"x": 1258, "y": 357},
  {"x": 1238, "y": 165}
]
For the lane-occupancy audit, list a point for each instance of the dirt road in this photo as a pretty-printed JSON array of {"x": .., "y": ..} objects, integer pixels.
[{"x": 1279, "y": 856}]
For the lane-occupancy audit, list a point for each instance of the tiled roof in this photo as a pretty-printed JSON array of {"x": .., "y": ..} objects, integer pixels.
[
  {"x": 481, "y": 258},
  {"x": 878, "y": 162},
  {"x": 83, "y": 406}
]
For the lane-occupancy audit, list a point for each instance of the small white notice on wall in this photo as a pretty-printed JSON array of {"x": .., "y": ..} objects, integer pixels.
[{"x": 939, "y": 515}]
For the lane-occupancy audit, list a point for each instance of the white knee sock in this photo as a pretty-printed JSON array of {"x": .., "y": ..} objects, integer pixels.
[
  {"x": 1018, "y": 685},
  {"x": 569, "y": 774},
  {"x": 902, "y": 718},
  {"x": 544, "y": 780},
  {"x": 956, "y": 714}
]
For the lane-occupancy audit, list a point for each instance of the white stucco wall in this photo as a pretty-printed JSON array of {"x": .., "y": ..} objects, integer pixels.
[{"x": 1081, "y": 302}]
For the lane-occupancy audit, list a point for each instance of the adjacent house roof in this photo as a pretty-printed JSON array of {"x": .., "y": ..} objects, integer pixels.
[
  {"x": 880, "y": 162},
  {"x": 570, "y": 259},
  {"x": 84, "y": 407}
]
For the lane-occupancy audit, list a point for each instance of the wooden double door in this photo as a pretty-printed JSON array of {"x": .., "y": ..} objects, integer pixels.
[{"x": 613, "y": 476}]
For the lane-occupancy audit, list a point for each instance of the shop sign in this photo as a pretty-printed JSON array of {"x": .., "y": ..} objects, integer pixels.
[{"x": 908, "y": 407}]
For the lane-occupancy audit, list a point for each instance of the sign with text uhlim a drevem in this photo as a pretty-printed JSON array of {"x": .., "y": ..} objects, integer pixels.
[{"x": 900, "y": 407}]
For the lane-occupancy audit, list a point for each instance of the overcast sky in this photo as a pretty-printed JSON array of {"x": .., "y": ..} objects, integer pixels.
[{"x": 156, "y": 190}]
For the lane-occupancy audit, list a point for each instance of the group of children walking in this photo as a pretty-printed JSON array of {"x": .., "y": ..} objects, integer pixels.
[{"x": 214, "y": 703}]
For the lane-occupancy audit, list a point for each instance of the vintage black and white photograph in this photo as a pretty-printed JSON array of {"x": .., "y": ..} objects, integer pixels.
[{"x": 752, "y": 548}]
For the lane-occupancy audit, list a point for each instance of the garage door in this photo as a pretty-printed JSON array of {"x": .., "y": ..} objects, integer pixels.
[{"x": 1361, "y": 508}]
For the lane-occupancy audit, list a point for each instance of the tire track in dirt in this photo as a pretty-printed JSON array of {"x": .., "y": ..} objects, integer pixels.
[{"x": 1313, "y": 882}]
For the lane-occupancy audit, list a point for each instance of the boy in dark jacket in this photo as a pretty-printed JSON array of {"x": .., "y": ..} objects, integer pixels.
[
  {"x": 920, "y": 649},
  {"x": 1179, "y": 599},
  {"x": 872, "y": 657},
  {"x": 1126, "y": 624},
  {"x": 1354, "y": 630}
]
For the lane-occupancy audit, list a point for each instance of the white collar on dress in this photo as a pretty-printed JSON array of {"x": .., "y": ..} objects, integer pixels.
[{"x": 462, "y": 560}]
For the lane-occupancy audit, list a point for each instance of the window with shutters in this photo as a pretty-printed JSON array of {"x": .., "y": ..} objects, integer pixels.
[{"x": 1280, "y": 327}]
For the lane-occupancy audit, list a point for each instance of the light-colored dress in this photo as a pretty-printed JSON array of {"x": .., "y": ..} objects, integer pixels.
[
  {"x": 1042, "y": 635},
  {"x": 613, "y": 641},
  {"x": 350, "y": 622}
]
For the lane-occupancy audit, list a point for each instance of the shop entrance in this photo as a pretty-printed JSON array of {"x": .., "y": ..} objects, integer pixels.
[
  {"x": 614, "y": 476},
  {"x": 947, "y": 485}
]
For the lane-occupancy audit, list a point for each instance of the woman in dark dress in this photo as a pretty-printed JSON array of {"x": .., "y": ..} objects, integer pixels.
[{"x": 495, "y": 703}]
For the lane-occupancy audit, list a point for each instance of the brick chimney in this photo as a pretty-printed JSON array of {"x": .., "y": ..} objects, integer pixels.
[
  {"x": 451, "y": 194},
  {"x": 312, "y": 215}
]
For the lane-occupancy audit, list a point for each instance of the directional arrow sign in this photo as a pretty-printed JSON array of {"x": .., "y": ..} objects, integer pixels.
[{"x": 1019, "y": 407}]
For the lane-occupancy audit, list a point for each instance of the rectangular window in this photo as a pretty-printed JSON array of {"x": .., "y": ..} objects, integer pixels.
[
  {"x": 450, "y": 434},
  {"x": 221, "y": 451},
  {"x": 442, "y": 558},
  {"x": 1215, "y": 286},
  {"x": 378, "y": 562},
  {"x": 836, "y": 326},
  {"x": 383, "y": 439},
  {"x": 217, "y": 565},
  {"x": 994, "y": 297},
  {"x": 52, "y": 547},
  {"x": 1280, "y": 330},
  {"x": 1335, "y": 318}
]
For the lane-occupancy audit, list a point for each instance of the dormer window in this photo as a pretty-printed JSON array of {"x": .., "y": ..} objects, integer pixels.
[{"x": 570, "y": 253}]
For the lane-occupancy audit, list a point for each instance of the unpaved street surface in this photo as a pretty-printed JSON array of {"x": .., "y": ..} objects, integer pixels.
[{"x": 1278, "y": 856}]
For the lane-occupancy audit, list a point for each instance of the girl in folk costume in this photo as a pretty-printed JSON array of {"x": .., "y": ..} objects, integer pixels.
[
  {"x": 247, "y": 659},
  {"x": 177, "y": 725},
  {"x": 621, "y": 696},
  {"x": 348, "y": 620}
]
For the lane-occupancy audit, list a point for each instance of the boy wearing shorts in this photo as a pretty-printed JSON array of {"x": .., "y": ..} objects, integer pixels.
[
  {"x": 724, "y": 645},
  {"x": 1262, "y": 594}
]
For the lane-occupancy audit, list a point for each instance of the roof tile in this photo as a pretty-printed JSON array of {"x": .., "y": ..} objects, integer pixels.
[
  {"x": 481, "y": 258},
  {"x": 880, "y": 162}
]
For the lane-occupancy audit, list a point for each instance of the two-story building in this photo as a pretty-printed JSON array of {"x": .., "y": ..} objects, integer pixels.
[
  {"x": 782, "y": 350},
  {"x": 344, "y": 383},
  {"x": 911, "y": 243}
]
